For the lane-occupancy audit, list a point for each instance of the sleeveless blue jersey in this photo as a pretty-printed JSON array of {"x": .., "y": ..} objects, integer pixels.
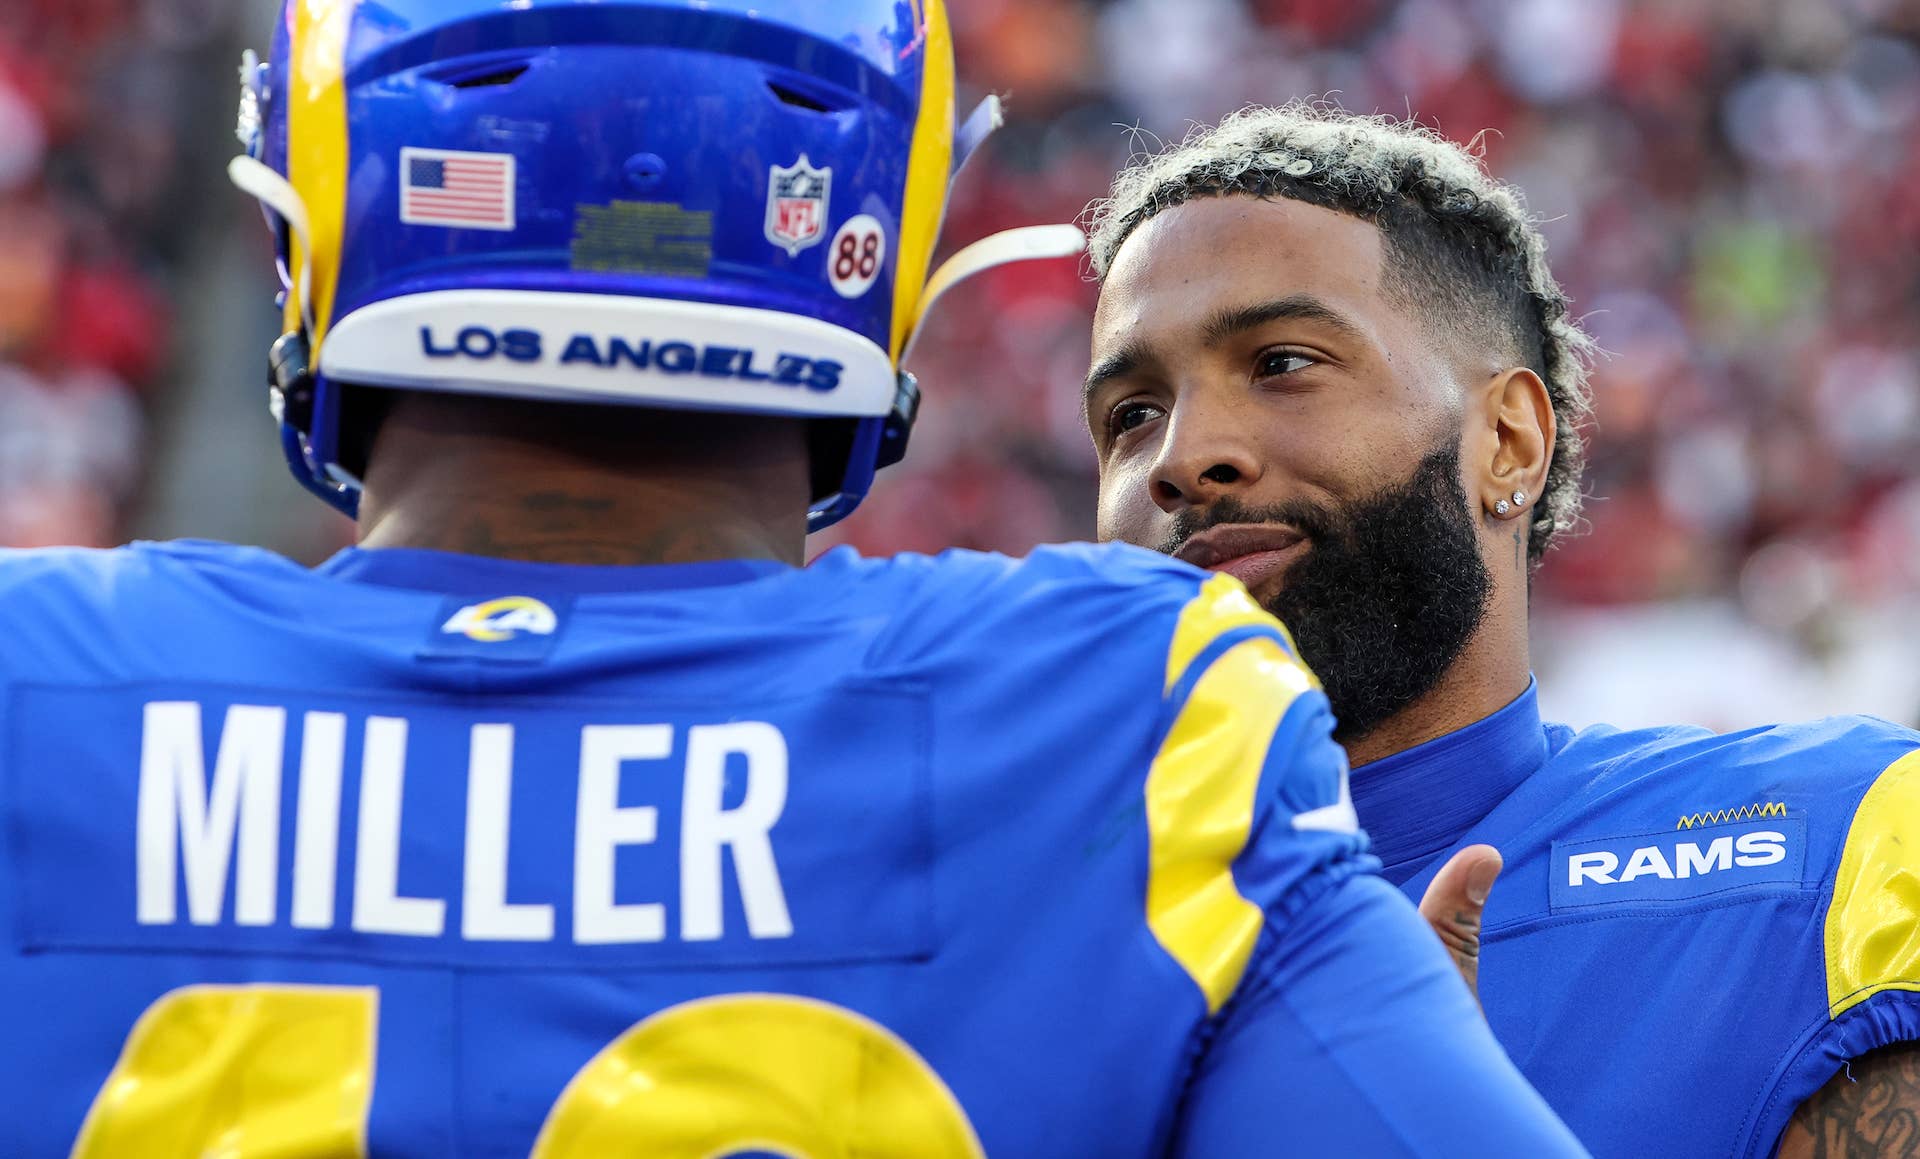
[
  {"x": 428, "y": 855},
  {"x": 1694, "y": 931}
]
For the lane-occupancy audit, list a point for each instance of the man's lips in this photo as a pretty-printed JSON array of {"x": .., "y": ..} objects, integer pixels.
[{"x": 1249, "y": 552}]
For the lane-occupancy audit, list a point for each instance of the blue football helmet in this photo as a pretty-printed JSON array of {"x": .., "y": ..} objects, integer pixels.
[{"x": 707, "y": 204}]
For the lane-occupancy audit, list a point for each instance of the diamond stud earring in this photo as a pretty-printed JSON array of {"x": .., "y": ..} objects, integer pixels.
[
  {"x": 1519, "y": 498},
  {"x": 1502, "y": 507}
]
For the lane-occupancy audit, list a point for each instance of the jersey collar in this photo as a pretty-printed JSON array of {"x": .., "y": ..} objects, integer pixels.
[
  {"x": 453, "y": 573},
  {"x": 1416, "y": 804}
]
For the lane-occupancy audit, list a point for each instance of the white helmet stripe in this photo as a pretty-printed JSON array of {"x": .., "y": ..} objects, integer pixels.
[{"x": 611, "y": 348}]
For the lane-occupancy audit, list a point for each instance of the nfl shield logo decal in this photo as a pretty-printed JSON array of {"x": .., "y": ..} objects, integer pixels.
[{"x": 797, "y": 205}]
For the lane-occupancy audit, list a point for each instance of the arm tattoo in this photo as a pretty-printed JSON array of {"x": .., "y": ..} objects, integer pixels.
[{"x": 1870, "y": 1110}]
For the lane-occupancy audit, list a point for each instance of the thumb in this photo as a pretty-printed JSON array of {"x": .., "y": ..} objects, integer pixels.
[{"x": 1455, "y": 901}]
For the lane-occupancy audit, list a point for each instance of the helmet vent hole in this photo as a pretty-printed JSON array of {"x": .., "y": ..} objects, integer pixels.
[
  {"x": 787, "y": 95},
  {"x": 488, "y": 77},
  {"x": 489, "y": 70}
]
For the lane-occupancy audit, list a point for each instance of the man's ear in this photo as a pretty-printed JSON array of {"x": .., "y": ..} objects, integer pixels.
[{"x": 1519, "y": 425}]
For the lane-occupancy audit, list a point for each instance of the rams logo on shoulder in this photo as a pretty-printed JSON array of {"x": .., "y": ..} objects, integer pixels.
[
  {"x": 1670, "y": 866},
  {"x": 502, "y": 619}
]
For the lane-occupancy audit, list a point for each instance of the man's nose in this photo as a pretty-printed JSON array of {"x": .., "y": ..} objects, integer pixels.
[{"x": 1208, "y": 453}]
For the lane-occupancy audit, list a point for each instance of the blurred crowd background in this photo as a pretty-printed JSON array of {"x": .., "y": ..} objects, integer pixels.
[{"x": 1730, "y": 190}]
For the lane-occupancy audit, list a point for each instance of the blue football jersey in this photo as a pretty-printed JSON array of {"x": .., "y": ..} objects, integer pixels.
[
  {"x": 428, "y": 855},
  {"x": 1694, "y": 931}
]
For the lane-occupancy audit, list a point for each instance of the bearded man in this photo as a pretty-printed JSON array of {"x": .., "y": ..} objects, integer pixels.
[{"x": 1329, "y": 359}]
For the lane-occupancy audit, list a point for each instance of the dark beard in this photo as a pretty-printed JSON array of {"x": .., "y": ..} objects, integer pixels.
[{"x": 1386, "y": 597}]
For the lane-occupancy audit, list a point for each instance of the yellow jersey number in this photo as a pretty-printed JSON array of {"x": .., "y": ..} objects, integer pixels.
[{"x": 250, "y": 1072}]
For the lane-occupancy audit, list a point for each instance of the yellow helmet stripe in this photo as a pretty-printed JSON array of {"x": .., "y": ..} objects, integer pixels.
[
  {"x": 929, "y": 166},
  {"x": 317, "y": 146}
]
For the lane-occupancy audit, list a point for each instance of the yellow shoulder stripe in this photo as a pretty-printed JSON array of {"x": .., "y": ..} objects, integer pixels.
[
  {"x": 1200, "y": 807},
  {"x": 1873, "y": 925},
  {"x": 1221, "y": 605}
]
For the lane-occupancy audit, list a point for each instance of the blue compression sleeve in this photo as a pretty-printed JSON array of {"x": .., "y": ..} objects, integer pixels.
[{"x": 1358, "y": 1038}]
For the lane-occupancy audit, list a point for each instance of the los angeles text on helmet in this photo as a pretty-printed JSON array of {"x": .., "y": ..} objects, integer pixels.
[{"x": 664, "y": 356}]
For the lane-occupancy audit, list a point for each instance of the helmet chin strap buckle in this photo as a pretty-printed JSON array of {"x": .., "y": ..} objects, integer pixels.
[
  {"x": 906, "y": 408},
  {"x": 290, "y": 381},
  {"x": 290, "y": 396}
]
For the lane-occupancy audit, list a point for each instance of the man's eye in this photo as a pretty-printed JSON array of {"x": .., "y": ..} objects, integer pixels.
[
  {"x": 1278, "y": 362},
  {"x": 1129, "y": 415}
]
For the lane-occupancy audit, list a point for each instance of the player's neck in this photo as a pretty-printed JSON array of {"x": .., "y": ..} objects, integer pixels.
[
  {"x": 1488, "y": 674},
  {"x": 585, "y": 485}
]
